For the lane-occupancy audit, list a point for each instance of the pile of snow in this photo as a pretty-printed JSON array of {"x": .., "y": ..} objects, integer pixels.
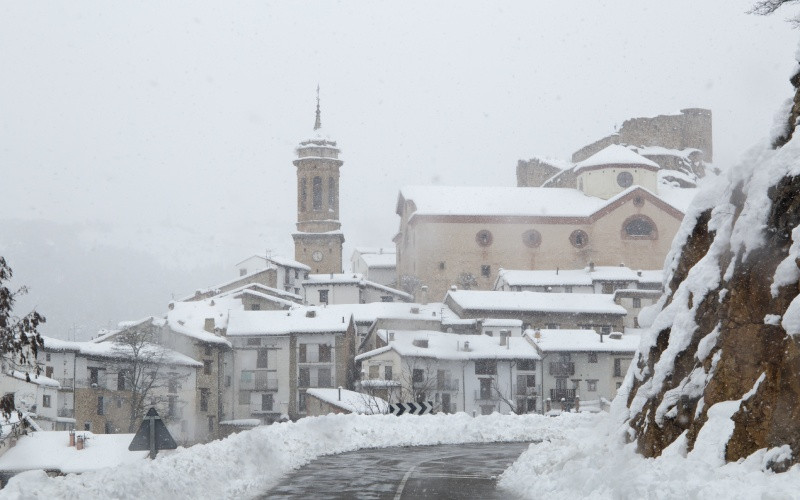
[
  {"x": 247, "y": 464},
  {"x": 592, "y": 462}
]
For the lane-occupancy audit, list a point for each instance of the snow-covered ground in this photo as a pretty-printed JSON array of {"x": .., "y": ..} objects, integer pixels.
[
  {"x": 247, "y": 464},
  {"x": 592, "y": 461}
]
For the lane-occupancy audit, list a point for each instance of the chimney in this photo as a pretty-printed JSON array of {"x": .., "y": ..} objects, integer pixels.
[
  {"x": 601, "y": 337},
  {"x": 453, "y": 288},
  {"x": 172, "y": 304},
  {"x": 209, "y": 325},
  {"x": 591, "y": 267},
  {"x": 466, "y": 345},
  {"x": 311, "y": 314},
  {"x": 391, "y": 336},
  {"x": 556, "y": 270},
  {"x": 423, "y": 295},
  {"x": 639, "y": 273},
  {"x": 340, "y": 393},
  {"x": 537, "y": 334}
]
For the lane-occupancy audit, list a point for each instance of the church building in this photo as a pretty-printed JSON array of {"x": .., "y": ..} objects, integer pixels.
[{"x": 318, "y": 240}]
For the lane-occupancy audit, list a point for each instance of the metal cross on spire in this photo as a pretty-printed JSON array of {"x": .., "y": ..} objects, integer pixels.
[{"x": 318, "y": 122}]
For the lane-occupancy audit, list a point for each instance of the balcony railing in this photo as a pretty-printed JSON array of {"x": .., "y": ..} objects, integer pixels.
[
  {"x": 66, "y": 412},
  {"x": 446, "y": 385},
  {"x": 522, "y": 390},
  {"x": 566, "y": 394},
  {"x": 562, "y": 368},
  {"x": 262, "y": 380},
  {"x": 486, "y": 395}
]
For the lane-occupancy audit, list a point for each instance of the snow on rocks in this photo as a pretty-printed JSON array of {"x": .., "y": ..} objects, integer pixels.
[{"x": 247, "y": 464}]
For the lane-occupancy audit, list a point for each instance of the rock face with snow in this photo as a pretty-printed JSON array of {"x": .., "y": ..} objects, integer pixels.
[{"x": 723, "y": 355}]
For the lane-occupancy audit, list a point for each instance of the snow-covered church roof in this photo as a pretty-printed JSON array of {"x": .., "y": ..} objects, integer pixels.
[{"x": 616, "y": 155}]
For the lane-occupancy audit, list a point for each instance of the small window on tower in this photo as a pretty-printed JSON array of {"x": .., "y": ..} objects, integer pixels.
[
  {"x": 317, "y": 193},
  {"x": 303, "y": 194},
  {"x": 331, "y": 192}
]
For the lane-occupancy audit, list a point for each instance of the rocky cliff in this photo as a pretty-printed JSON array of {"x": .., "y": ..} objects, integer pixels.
[{"x": 723, "y": 354}]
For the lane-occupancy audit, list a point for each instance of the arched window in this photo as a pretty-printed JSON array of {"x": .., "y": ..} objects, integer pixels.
[
  {"x": 303, "y": 194},
  {"x": 639, "y": 227},
  {"x": 331, "y": 192},
  {"x": 317, "y": 193}
]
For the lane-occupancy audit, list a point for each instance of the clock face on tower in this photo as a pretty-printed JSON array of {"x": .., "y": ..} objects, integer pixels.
[{"x": 317, "y": 256}]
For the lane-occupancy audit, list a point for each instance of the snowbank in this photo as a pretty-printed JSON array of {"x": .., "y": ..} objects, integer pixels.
[
  {"x": 247, "y": 464},
  {"x": 592, "y": 462}
]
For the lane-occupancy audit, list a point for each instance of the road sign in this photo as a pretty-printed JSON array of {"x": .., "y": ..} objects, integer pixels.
[
  {"x": 411, "y": 408},
  {"x": 152, "y": 435}
]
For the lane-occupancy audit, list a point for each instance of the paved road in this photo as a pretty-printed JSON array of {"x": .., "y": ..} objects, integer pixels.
[{"x": 451, "y": 471}]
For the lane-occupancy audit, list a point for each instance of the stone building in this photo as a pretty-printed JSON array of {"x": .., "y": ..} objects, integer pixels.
[{"x": 318, "y": 240}]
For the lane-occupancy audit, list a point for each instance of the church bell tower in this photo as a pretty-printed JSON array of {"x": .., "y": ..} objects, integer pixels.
[{"x": 318, "y": 240}]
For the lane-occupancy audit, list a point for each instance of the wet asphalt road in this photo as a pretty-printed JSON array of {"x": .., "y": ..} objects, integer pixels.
[{"x": 449, "y": 471}]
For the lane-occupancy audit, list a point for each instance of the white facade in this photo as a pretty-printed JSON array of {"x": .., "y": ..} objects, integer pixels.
[
  {"x": 376, "y": 264},
  {"x": 38, "y": 397},
  {"x": 334, "y": 289},
  {"x": 260, "y": 377}
]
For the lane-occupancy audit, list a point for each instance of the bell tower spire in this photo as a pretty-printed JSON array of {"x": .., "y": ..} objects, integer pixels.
[{"x": 318, "y": 122}]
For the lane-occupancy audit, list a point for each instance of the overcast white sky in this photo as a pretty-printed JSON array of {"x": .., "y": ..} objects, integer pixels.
[{"x": 170, "y": 127}]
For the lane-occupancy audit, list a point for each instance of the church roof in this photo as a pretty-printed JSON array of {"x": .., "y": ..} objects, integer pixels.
[{"x": 615, "y": 155}]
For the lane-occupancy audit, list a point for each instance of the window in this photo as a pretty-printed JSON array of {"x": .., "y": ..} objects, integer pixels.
[
  {"x": 244, "y": 397},
  {"x": 301, "y": 402},
  {"x": 591, "y": 385},
  {"x": 323, "y": 296},
  {"x": 48, "y": 371},
  {"x": 483, "y": 238},
  {"x": 608, "y": 287},
  {"x": 637, "y": 302},
  {"x": 204, "y": 393},
  {"x": 210, "y": 424},
  {"x": 579, "y": 238},
  {"x": 207, "y": 350},
  {"x": 262, "y": 360},
  {"x": 441, "y": 266},
  {"x": 387, "y": 298},
  {"x": 266, "y": 402},
  {"x": 486, "y": 271},
  {"x": 489, "y": 333},
  {"x": 301, "y": 353},
  {"x": 331, "y": 192},
  {"x": 624, "y": 179},
  {"x": 526, "y": 364},
  {"x": 93, "y": 375},
  {"x": 446, "y": 402},
  {"x": 121, "y": 375},
  {"x": 47, "y": 357},
  {"x": 172, "y": 385},
  {"x": 605, "y": 330},
  {"x": 303, "y": 194},
  {"x": 296, "y": 274},
  {"x": 255, "y": 307},
  {"x": 592, "y": 357},
  {"x": 304, "y": 377},
  {"x": 119, "y": 402},
  {"x": 316, "y": 203},
  {"x": 242, "y": 272},
  {"x": 485, "y": 367},
  {"x": 568, "y": 289},
  {"x": 172, "y": 406},
  {"x": 418, "y": 376},
  {"x": 100, "y": 406},
  {"x": 617, "y": 367},
  {"x": 46, "y": 401},
  {"x": 207, "y": 366},
  {"x": 387, "y": 372},
  {"x": 639, "y": 227},
  {"x": 374, "y": 371},
  {"x": 551, "y": 326},
  {"x": 324, "y": 377},
  {"x": 252, "y": 342},
  {"x": 532, "y": 238},
  {"x": 87, "y": 426},
  {"x": 486, "y": 388},
  {"x": 324, "y": 353}
]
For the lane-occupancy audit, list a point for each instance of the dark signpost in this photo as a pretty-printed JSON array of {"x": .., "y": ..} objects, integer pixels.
[
  {"x": 411, "y": 408},
  {"x": 152, "y": 435}
]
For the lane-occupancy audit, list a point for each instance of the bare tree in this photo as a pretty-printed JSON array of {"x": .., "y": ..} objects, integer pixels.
[
  {"x": 467, "y": 281},
  {"x": 766, "y": 7},
  {"x": 419, "y": 380},
  {"x": 142, "y": 369},
  {"x": 19, "y": 337},
  {"x": 409, "y": 283}
]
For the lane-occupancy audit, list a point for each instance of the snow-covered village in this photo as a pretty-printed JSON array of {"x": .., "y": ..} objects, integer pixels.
[{"x": 350, "y": 250}]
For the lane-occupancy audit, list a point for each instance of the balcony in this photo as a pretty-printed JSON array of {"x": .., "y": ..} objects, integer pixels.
[
  {"x": 66, "y": 412},
  {"x": 566, "y": 394},
  {"x": 261, "y": 380},
  {"x": 522, "y": 390},
  {"x": 486, "y": 395},
  {"x": 447, "y": 385},
  {"x": 66, "y": 383},
  {"x": 562, "y": 368}
]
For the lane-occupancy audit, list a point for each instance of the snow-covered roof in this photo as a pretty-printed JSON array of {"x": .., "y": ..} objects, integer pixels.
[
  {"x": 189, "y": 318},
  {"x": 354, "y": 402},
  {"x": 267, "y": 290},
  {"x": 662, "y": 151},
  {"x": 378, "y": 250},
  {"x": 113, "y": 350},
  {"x": 368, "y": 313},
  {"x": 678, "y": 197},
  {"x": 300, "y": 320},
  {"x": 554, "y": 162},
  {"x": 502, "y": 322},
  {"x": 35, "y": 379},
  {"x": 352, "y": 279},
  {"x": 581, "y": 341},
  {"x": 267, "y": 297},
  {"x": 452, "y": 346},
  {"x": 481, "y": 300},
  {"x": 286, "y": 262},
  {"x": 576, "y": 277},
  {"x": 51, "y": 451},
  {"x": 615, "y": 154},
  {"x": 242, "y": 422},
  {"x": 500, "y": 201},
  {"x": 375, "y": 260}
]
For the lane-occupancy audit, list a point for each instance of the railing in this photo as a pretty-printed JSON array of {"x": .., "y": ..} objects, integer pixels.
[
  {"x": 66, "y": 412},
  {"x": 66, "y": 383},
  {"x": 522, "y": 390},
  {"x": 446, "y": 385},
  {"x": 565, "y": 394},
  {"x": 562, "y": 368},
  {"x": 262, "y": 380},
  {"x": 486, "y": 395}
]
